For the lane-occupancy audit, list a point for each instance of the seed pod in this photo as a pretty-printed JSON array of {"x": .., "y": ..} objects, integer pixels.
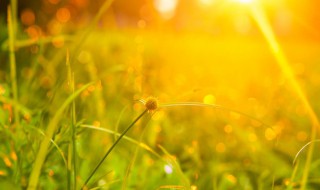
[{"x": 151, "y": 103}]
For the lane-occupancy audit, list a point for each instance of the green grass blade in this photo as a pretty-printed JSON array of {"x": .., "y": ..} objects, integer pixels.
[
  {"x": 54, "y": 144},
  {"x": 304, "y": 147},
  {"x": 12, "y": 57},
  {"x": 199, "y": 104},
  {"x": 52, "y": 127},
  {"x": 131, "y": 140},
  {"x": 134, "y": 157},
  {"x": 176, "y": 166}
]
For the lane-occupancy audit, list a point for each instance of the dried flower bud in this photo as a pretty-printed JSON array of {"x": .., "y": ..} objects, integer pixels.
[{"x": 151, "y": 103}]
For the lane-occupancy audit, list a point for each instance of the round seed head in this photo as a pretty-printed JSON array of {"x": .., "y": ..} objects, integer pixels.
[{"x": 151, "y": 103}]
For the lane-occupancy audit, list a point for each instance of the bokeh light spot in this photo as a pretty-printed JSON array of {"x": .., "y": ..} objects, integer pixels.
[
  {"x": 209, "y": 99},
  {"x": 54, "y": 27},
  {"x": 2, "y": 90},
  {"x": 3, "y": 173},
  {"x": 28, "y": 17},
  {"x": 228, "y": 129},
  {"x": 252, "y": 137},
  {"x": 168, "y": 169},
  {"x": 193, "y": 187},
  {"x": 7, "y": 161},
  {"x": 58, "y": 42},
  {"x": 34, "y": 31},
  {"x": 63, "y": 15},
  {"x": 270, "y": 134},
  {"x": 166, "y": 7},
  {"x": 51, "y": 173},
  {"x": 220, "y": 147},
  {"x": 231, "y": 178},
  {"x": 302, "y": 136},
  {"x": 142, "y": 24}
]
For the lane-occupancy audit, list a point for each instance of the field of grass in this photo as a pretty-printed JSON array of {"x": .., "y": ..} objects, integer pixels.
[{"x": 133, "y": 108}]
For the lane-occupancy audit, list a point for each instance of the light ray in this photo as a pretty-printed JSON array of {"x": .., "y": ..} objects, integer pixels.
[{"x": 261, "y": 20}]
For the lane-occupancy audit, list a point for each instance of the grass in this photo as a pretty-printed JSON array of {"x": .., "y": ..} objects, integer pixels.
[{"x": 67, "y": 118}]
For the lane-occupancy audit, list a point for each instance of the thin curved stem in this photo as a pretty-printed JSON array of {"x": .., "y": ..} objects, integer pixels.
[
  {"x": 112, "y": 147},
  {"x": 299, "y": 152},
  {"x": 199, "y": 104}
]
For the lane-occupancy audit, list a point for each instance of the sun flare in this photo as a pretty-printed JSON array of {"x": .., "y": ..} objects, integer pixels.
[{"x": 245, "y": 1}]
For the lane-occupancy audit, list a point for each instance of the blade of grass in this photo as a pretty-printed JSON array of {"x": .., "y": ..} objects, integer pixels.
[
  {"x": 70, "y": 148},
  {"x": 12, "y": 22},
  {"x": 29, "y": 42},
  {"x": 305, "y": 146},
  {"x": 54, "y": 144},
  {"x": 175, "y": 165},
  {"x": 111, "y": 148},
  {"x": 199, "y": 104},
  {"x": 52, "y": 127},
  {"x": 74, "y": 148},
  {"x": 87, "y": 32},
  {"x": 260, "y": 17},
  {"x": 14, "y": 13},
  {"x": 293, "y": 175},
  {"x": 118, "y": 120},
  {"x": 106, "y": 186},
  {"x": 142, "y": 145},
  {"x": 133, "y": 160},
  {"x": 12, "y": 57}
]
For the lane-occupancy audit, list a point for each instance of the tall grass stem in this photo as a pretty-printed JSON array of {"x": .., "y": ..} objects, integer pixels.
[
  {"x": 51, "y": 129},
  {"x": 112, "y": 147},
  {"x": 12, "y": 57}
]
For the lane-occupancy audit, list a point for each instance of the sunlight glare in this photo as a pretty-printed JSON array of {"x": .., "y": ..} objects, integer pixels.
[
  {"x": 245, "y": 1},
  {"x": 264, "y": 25},
  {"x": 206, "y": 2},
  {"x": 166, "y": 7}
]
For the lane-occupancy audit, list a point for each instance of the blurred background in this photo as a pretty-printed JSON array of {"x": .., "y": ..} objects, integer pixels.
[{"x": 207, "y": 51}]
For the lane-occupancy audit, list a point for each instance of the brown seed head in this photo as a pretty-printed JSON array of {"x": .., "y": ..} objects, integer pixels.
[{"x": 151, "y": 103}]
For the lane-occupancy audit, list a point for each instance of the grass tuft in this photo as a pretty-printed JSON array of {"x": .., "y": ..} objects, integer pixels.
[{"x": 51, "y": 129}]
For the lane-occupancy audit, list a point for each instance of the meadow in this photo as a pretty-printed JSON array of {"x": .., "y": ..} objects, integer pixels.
[{"x": 93, "y": 96}]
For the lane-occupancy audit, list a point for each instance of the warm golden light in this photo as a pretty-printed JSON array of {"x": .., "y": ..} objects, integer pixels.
[
  {"x": 166, "y": 7},
  {"x": 206, "y": 2},
  {"x": 245, "y": 1},
  {"x": 236, "y": 85}
]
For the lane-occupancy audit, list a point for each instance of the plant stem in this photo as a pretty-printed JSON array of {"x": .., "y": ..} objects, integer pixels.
[
  {"x": 112, "y": 147},
  {"x": 74, "y": 148},
  {"x": 87, "y": 32},
  {"x": 14, "y": 13},
  {"x": 309, "y": 159},
  {"x": 51, "y": 129},
  {"x": 13, "y": 74}
]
